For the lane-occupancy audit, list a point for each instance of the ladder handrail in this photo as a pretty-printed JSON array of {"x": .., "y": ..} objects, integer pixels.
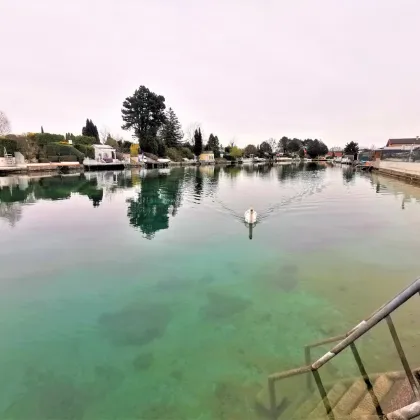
[
  {"x": 345, "y": 340},
  {"x": 342, "y": 336},
  {"x": 368, "y": 324}
]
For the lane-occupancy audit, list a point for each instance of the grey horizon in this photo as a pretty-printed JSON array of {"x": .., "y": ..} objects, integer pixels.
[{"x": 246, "y": 70}]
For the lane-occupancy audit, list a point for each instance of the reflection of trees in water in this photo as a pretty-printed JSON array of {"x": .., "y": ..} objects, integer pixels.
[
  {"x": 232, "y": 171},
  {"x": 198, "y": 184},
  {"x": 61, "y": 188},
  {"x": 12, "y": 212},
  {"x": 348, "y": 174},
  {"x": 314, "y": 166},
  {"x": 159, "y": 196},
  {"x": 46, "y": 188},
  {"x": 213, "y": 179},
  {"x": 289, "y": 171},
  {"x": 263, "y": 170},
  {"x": 248, "y": 170},
  {"x": 201, "y": 181}
]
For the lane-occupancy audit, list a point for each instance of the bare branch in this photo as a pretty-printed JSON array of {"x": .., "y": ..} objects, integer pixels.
[
  {"x": 189, "y": 132},
  {"x": 4, "y": 124},
  {"x": 103, "y": 134}
]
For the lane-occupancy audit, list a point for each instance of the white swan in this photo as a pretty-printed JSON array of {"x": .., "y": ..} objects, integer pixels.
[{"x": 250, "y": 216}]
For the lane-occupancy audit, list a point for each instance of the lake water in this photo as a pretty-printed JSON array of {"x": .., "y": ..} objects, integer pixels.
[{"x": 139, "y": 294}]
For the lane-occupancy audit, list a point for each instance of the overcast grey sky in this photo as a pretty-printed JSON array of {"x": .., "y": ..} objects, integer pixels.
[{"x": 339, "y": 70}]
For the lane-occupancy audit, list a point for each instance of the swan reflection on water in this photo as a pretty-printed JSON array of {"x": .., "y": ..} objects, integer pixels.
[
  {"x": 250, "y": 227},
  {"x": 250, "y": 217}
]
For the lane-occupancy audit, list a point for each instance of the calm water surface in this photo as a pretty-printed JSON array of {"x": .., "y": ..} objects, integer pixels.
[{"x": 139, "y": 295}]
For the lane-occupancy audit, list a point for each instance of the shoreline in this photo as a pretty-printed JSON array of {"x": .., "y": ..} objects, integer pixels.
[{"x": 405, "y": 171}]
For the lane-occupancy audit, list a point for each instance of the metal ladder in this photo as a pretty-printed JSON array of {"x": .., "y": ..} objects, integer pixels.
[
  {"x": 348, "y": 340},
  {"x": 8, "y": 158}
]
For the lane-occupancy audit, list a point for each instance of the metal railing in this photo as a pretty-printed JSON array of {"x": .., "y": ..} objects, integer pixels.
[
  {"x": 347, "y": 340},
  {"x": 8, "y": 158}
]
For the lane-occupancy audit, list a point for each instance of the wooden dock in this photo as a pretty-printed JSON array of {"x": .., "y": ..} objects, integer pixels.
[{"x": 37, "y": 167}]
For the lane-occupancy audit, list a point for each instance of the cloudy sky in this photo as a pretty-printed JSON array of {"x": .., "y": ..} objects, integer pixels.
[{"x": 247, "y": 70}]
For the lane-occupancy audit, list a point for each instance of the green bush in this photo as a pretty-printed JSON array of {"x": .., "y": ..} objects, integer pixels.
[
  {"x": 60, "y": 150},
  {"x": 45, "y": 138},
  {"x": 9, "y": 144},
  {"x": 87, "y": 150},
  {"x": 69, "y": 158},
  {"x": 44, "y": 160},
  {"x": 174, "y": 154},
  {"x": 186, "y": 153},
  {"x": 50, "y": 159},
  {"x": 86, "y": 140}
]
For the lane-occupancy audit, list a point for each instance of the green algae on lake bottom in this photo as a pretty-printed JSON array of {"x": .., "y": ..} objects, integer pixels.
[
  {"x": 221, "y": 306},
  {"x": 136, "y": 325},
  {"x": 187, "y": 321},
  {"x": 143, "y": 361}
]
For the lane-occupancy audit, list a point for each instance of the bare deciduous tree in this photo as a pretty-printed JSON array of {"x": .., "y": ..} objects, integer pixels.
[
  {"x": 189, "y": 132},
  {"x": 103, "y": 134},
  {"x": 273, "y": 144},
  {"x": 4, "y": 124}
]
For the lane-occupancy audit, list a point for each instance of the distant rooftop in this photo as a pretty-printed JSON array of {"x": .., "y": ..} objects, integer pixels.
[
  {"x": 403, "y": 141},
  {"x": 102, "y": 146}
]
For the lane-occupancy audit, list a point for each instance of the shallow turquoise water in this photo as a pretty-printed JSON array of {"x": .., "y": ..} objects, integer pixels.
[{"x": 139, "y": 295}]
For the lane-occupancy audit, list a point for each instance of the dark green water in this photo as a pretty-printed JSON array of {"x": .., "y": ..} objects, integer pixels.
[{"x": 139, "y": 295}]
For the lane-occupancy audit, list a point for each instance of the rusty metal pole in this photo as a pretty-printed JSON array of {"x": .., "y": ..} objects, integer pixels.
[
  {"x": 272, "y": 397},
  {"x": 403, "y": 357},
  {"x": 308, "y": 362},
  {"x": 367, "y": 380}
]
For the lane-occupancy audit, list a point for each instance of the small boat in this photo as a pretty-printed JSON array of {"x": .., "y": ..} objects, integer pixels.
[{"x": 250, "y": 216}]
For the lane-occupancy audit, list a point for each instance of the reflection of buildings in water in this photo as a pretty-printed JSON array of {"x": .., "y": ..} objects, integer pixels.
[
  {"x": 206, "y": 170},
  {"x": 388, "y": 185},
  {"x": 111, "y": 181}
]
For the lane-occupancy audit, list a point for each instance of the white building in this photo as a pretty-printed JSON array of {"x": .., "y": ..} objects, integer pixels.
[
  {"x": 105, "y": 153},
  {"x": 105, "y": 157}
]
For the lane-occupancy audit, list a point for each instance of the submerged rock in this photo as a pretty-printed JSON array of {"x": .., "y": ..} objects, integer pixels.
[
  {"x": 143, "y": 361},
  {"x": 230, "y": 399},
  {"x": 177, "y": 374},
  {"x": 135, "y": 326},
  {"x": 107, "y": 378},
  {"x": 221, "y": 306},
  {"x": 57, "y": 398},
  {"x": 285, "y": 278},
  {"x": 207, "y": 278},
  {"x": 234, "y": 268},
  {"x": 173, "y": 284}
]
